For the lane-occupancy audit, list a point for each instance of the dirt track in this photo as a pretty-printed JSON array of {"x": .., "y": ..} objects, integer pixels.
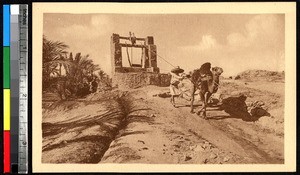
[
  {"x": 153, "y": 131},
  {"x": 172, "y": 135}
]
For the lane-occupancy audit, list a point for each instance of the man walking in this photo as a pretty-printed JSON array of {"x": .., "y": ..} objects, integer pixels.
[{"x": 175, "y": 80}]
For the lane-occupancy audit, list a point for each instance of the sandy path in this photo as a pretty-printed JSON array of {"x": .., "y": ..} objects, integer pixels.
[
  {"x": 137, "y": 127},
  {"x": 173, "y": 135}
]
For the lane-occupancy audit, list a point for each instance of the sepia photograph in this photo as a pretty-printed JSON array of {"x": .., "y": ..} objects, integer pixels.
[{"x": 162, "y": 88}]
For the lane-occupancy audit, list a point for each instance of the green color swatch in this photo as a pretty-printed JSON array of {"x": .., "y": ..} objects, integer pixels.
[{"x": 6, "y": 67}]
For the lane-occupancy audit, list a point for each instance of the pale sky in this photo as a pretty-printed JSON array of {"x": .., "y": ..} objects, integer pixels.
[{"x": 233, "y": 42}]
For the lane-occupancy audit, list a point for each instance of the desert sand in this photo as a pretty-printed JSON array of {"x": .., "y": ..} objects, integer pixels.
[{"x": 138, "y": 126}]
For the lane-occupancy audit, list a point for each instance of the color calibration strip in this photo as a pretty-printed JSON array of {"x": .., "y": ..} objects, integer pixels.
[
  {"x": 6, "y": 88},
  {"x": 15, "y": 89}
]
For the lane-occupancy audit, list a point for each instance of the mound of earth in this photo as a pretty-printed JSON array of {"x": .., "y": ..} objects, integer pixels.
[
  {"x": 263, "y": 75},
  {"x": 80, "y": 131}
]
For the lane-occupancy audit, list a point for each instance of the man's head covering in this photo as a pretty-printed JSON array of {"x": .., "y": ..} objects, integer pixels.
[{"x": 177, "y": 70}]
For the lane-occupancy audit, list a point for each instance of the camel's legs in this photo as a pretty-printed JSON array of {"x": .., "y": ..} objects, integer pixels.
[
  {"x": 202, "y": 98},
  {"x": 206, "y": 97}
]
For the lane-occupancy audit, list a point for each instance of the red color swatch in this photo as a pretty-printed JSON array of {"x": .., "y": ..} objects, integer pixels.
[{"x": 6, "y": 152}]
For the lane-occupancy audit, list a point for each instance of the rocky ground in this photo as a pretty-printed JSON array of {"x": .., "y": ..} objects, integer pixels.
[{"x": 138, "y": 126}]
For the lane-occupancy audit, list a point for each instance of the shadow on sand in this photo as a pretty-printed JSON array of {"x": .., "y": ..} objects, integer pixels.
[{"x": 237, "y": 108}]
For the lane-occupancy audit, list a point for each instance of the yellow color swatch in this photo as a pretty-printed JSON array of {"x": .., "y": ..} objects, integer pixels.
[{"x": 6, "y": 109}]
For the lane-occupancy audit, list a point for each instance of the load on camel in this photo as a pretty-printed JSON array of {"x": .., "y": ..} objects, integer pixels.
[{"x": 205, "y": 80}]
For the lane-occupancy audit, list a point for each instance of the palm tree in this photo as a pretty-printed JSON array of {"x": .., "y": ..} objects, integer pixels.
[
  {"x": 79, "y": 70},
  {"x": 53, "y": 59}
]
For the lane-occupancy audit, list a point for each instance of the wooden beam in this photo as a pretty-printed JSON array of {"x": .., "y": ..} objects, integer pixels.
[
  {"x": 130, "y": 45},
  {"x": 128, "y": 38}
]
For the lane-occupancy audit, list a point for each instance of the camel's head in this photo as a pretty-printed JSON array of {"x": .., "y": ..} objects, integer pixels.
[{"x": 217, "y": 71}]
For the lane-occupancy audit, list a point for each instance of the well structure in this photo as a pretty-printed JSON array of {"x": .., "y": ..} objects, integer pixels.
[{"x": 136, "y": 75}]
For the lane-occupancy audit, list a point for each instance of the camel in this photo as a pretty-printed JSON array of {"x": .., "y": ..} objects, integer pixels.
[{"x": 207, "y": 86}]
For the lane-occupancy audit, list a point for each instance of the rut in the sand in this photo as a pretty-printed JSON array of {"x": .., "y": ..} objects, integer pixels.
[{"x": 86, "y": 137}]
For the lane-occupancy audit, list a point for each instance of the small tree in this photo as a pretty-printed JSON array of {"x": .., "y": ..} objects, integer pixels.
[{"x": 104, "y": 80}]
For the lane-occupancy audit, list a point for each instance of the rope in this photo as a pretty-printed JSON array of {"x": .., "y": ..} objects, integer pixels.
[
  {"x": 163, "y": 59},
  {"x": 131, "y": 57},
  {"x": 128, "y": 55},
  {"x": 164, "y": 70},
  {"x": 218, "y": 84},
  {"x": 142, "y": 56}
]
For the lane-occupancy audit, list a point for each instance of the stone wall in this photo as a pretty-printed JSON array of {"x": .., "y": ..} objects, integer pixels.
[{"x": 140, "y": 79}]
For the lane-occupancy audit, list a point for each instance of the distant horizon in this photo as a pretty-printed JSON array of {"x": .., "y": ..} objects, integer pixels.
[{"x": 234, "y": 42}]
